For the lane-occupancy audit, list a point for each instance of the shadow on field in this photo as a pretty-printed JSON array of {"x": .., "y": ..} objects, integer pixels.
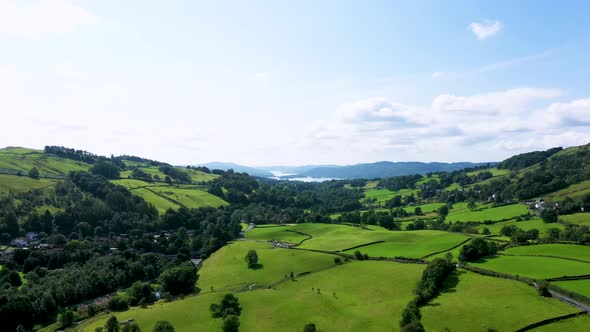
[
  {"x": 485, "y": 259},
  {"x": 257, "y": 267},
  {"x": 449, "y": 286}
]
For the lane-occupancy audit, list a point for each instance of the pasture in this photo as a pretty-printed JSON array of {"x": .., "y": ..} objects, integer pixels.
[
  {"x": 575, "y": 191},
  {"x": 18, "y": 184},
  {"x": 579, "y": 323},
  {"x": 226, "y": 268},
  {"x": 426, "y": 208},
  {"x": 534, "y": 267},
  {"x": 533, "y": 223},
  {"x": 582, "y": 219},
  {"x": 473, "y": 302},
  {"x": 486, "y": 212},
  {"x": 49, "y": 165},
  {"x": 278, "y": 233},
  {"x": 577, "y": 286},
  {"x": 572, "y": 251},
  {"x": 371, "y": 301}
]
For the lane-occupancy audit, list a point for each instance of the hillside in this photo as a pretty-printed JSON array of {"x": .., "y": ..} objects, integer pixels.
[
  {"x": 385, "y": 169},
  {"x": 142, "y": 177},
  {"x": 238, "y": 168}
]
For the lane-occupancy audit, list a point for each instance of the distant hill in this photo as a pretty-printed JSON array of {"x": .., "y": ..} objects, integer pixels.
[
  {"x": 384, "y": 169},
  {"x": 238, "y": 168}
]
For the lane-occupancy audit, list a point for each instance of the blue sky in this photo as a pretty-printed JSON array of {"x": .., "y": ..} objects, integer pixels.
[{"x": 305, "y": 82}]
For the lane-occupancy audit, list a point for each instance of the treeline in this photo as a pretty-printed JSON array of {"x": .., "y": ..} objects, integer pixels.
[{"x": 524, "y": 160}]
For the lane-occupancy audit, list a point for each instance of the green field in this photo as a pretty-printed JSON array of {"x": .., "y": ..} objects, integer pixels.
[
  {"x": 579, "y": 323},
  {"x": 48, "y": 165},
  {"x": 426, "y": 208},
  {"x": 371, "y": 301},
  {"x": 534, "y": 223},
  {"x": 196, "y": 176},
  {"x": 166, "y": 196},
  {"x": 576, "y": 286},
  {"x": 582, "y": 219},
  {"x": 575, "y": 191},
  {"x": 383, "y": 195},
  {"x": 226, "y": 268},
  {"x": 486, "y": 212},
  {"x": 279, "y": 233},
  {"x": 18, "y": 184},
  {"x": 555, "y": 249},
  {"x": 413, "y": 244},
  {"x": 535, "y": 267},
  {"x": 476, "y": 303}
]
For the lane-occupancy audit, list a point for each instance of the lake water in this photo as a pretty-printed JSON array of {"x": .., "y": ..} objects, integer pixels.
[{"x": 280, "y": 175}]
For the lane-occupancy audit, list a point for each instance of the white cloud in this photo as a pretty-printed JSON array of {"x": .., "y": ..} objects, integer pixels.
[
  {"x": 485, "y": 29},
  {"x": 263, "y": 76},
  {"x": 41, "y": 17},
  {"x": 438, "y": 75},
  {"x": 495, "y": 121}
]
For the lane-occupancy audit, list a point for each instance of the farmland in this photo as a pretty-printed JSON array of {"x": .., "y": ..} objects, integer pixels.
[
  {"x": 582, "y": 219},
  {"x": 535, "y": 267},
  {"x": 475, "y": 303},
  {"x": 486, "y": 212},
  {"x": 534, "y": 223},
  {"x": 576, "y": 286},
  {"x": 575, "y": 191},
  {"x": 371, "y": 301},
  {"x": 19, "y": 184},
  {"x": 23, "y": 160},
  {"x": 571, "y": 251}
]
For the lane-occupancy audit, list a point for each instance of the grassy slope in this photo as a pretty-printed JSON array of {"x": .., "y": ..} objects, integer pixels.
[
  {"x": 19, "y": 184},
  {"x": 579, "y": 323},
  {"x": 48, "y": 165},
  {"x": 577, "y": 286},
  {"x": 486, "y": 212},
  {"x": 535, "y": 267},
  {"x": 426, "y": 208},
  {"x": 582, "y": 219},
  {"x": 479, "y": 302},
  {"x": 275, "y": 233},
  {"x": 556, "y": 249},
  {"x": 536, "y": 223},
  {"x": 226, "y": 268},
  {"x": 575, "y": 191},
  {"x": 371, "y": 301}
]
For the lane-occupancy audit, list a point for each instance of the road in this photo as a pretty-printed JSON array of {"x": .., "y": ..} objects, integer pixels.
[{"x": 568, "y": 300}]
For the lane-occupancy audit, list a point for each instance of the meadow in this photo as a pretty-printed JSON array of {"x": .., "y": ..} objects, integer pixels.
[
  {"x": 572, "y": 251},
  {"x": 486, "y": 212},
  {"x": 18, "y": 184},
  {"x": 279, "y": 233},
  {"x": 383, "y": 195},
  {"x": 371, "y": 301},
  {"x": 533, "y": 223},
  {"x": 534, "y": 267},
  {"x": 575, "y": 191},
  {"x": 473, "y": 302},
  {"x": 48, "y": 165},
  {"x": 579, "y": 323},
  {"x": 576, "y": 286},
  {"x": 582, "y": 219}
]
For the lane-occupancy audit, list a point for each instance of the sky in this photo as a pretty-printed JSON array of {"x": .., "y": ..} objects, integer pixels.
[{"x": 295, "y": 82}]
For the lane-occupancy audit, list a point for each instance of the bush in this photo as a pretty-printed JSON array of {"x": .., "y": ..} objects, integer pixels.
[
  {"x": 163, "y": 326},
  {"x": 117, "y": 303}
]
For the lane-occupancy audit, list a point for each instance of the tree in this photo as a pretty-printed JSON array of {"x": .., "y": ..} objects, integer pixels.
[
  {"x": 542, "y": 289},
  {"x": 549, "y": 215},
  {"x": 106, "y": 169},
  {"x": 112, "y": 324},
  {"x": 252, "y": 259},
  {"x": 34, "y": 173},
  {"x": 66, "y": 318},
  {"x": 443, "y": 211},
  {"x": 163, "y": 326},
  {"x": 418, "y": 211},
  {"x": 471, "y": 205},
  {"x": 14, "y": 279},
  {"x": 309, "y": 328},
  {"x": 231, "y": 323},
  {"x": 229, "y": 305},
  {"x": 179, "y": 280}
]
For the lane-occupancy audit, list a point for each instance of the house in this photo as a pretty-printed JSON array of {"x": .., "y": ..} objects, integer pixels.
[
  {"x": 197, "y": 262},
  {"x": 32, "y": 236},
  {"x": 19, "y": 242}
]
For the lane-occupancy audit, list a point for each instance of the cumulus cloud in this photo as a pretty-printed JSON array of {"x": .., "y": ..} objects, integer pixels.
[
  {"x": 485, "y": 29},
  {"x": 509, "y": 120},
  {"x": 42, "y": 17}
]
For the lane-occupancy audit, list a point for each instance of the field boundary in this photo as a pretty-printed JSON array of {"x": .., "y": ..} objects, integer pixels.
[
  {"x": 549, "y": 321},
  {"x": 362, "y": 245},
  {"x": 570, "y": 278},
  {"x": 440, "y": 252},
  {"x": 547, "y": 256}
]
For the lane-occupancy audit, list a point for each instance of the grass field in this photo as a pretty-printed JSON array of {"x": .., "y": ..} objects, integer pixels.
[
  {"x": 165, "y": 196},
  {"x": 18, "y": 184},
  {"x": 579, "y": 323},
  {"x": 426, "y": 208},
  {"x": 196, "y": 176},
  {"x": 582, "y": 219},
  {"x": 24, "y": 160},
  {"x": 555, "y": 249},
  {"x": 383, "y": 195},
  {"x": 371, "y": 301},
  {"x": 475, "y": 303},
  {"x": 413, "y": 244},
  {"x": 576, "y": 286},
  {"x": 535, "y": 267},
  {"x": 534, "y": 223},
  {"x": 482, "y": 213},
  {"x": 280, "y": 233},
  {"x": 575, "y": 191},
  {"x": 226, "y": 268}
]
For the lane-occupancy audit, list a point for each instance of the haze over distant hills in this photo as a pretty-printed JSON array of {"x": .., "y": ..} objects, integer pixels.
[{"x": 365, "y": 170}]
